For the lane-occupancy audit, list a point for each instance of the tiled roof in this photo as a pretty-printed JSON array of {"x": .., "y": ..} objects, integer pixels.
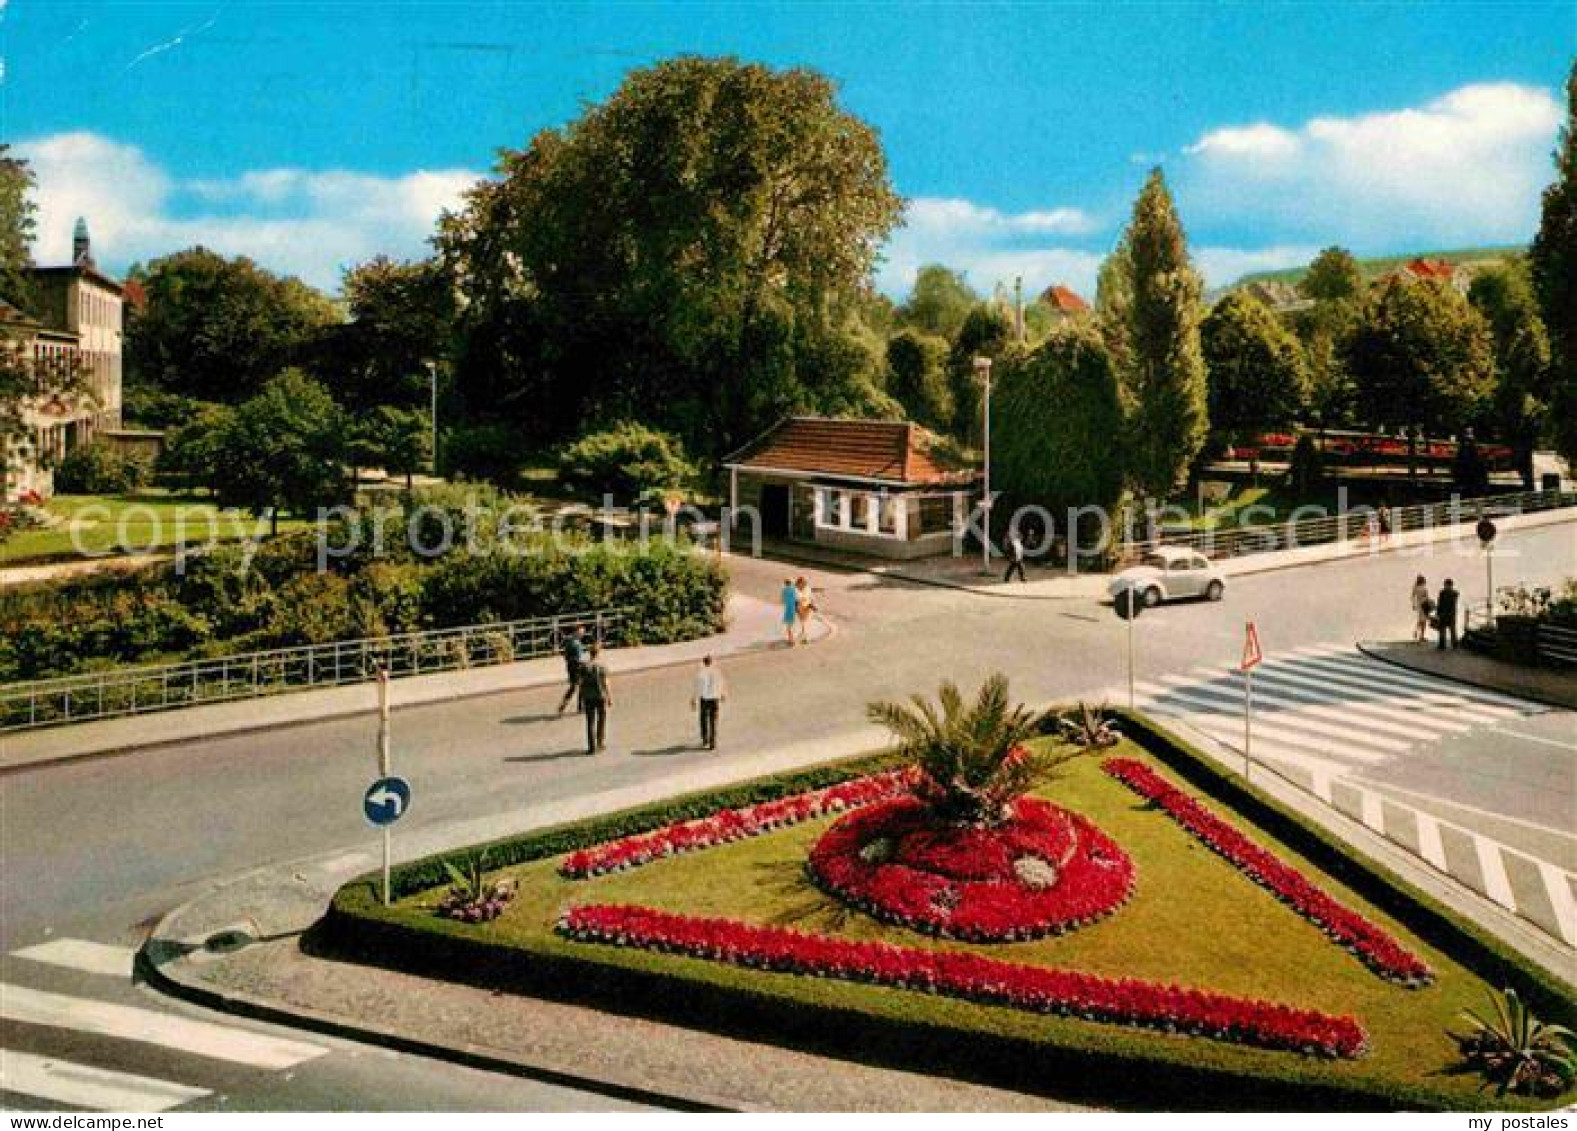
[
  {"x": 1059, "y": 297},
  {"x": 1431, "y": 269},
  {"x": 892, "y": 451}
]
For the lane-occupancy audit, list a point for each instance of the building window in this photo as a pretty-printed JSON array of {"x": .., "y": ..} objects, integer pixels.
[{"x": 877, "y": 514}]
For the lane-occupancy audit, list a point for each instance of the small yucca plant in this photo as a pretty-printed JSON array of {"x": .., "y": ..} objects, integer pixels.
[
  {"x": 1516, "y": 1051},
  {"x": 971, "y": 757}
]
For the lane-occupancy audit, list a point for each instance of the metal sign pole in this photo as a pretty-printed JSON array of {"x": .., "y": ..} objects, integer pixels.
[
  {"x": 1130, "y": 597},
  {"x": 384, "y": 766},
  {"x": 1248, "y": 720}
]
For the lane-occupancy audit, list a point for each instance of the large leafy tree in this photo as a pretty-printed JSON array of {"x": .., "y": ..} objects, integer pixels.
[
  {"x": 1553, "y": 258},
  {"x": 1333, "y": 275},
  {"x": 16, "y": 226},
  {"x": 1254, "y": 365},
  {"x": 285, "y": 448},
  {"x": 1504, "y": 296},
  {"x": 917, "y": 378},
  {"x": 1149, "y": 300},
  {"x": 986, "y": 332},
  {"x": 694, "y": 250},
  {"x": 1421, "y": 356},
  {"x": 939, "y": 301},
  {"x": 217, "y": 329},
  {"x": 1057, "y": 425},
  {"x": 402, "y": 318}
]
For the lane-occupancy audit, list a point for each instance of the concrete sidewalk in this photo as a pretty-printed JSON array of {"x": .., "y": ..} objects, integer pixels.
[
  {"x": 753, "y": 626},
  {"x": 967, "y": 573},
  {"x": 1542, "y": 685},
  {"x": 236, "y": 948}
]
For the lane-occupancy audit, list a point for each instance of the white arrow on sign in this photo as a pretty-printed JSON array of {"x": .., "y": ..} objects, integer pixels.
[{"x": 386, "y": 796}]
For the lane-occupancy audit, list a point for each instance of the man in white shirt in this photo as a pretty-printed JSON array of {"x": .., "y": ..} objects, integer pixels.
[{"x": 710, "y": 691}]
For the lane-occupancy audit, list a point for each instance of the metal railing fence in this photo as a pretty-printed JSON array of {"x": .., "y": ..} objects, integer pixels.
[
  {"x": 1240, "y": 541},
  {"x": 120, "y": 692}
]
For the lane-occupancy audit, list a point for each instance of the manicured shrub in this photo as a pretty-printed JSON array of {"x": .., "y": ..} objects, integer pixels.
[
  {"x": 97, "y": 468},
  {"x": 627, "y": 461}
]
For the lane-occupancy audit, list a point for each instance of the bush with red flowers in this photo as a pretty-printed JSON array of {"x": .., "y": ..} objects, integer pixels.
[
  {"x": 1042, "y": 871},
  {"x": 972, "y": 977},
  {"x": 1372, "y": 945},
  {"x": 732, "y": 824}
]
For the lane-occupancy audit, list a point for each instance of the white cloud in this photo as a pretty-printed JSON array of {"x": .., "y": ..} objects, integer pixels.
[
  {"x": 989, "y": 246},
  {"x": 296, "y": 221},
  {"x": 1465, "y": 168}
]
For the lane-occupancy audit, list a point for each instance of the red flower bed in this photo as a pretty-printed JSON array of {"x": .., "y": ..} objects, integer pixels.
[
  {"x": 732, "y": 824},
  {"x": 1044, "y": 872},
  {"x": 971, "y": 977},
  {"x": 1373, "y": 946}
]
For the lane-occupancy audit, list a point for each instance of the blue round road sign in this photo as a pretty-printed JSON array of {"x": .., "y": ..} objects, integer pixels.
[{"x": 386, "y": 800}]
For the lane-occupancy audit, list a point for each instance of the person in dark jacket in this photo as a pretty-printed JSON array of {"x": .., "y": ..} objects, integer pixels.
[
  {"x": 574, "y": 652},
  {"x": 595, "y": 699},
  {"x": 1446, "y": 613}
]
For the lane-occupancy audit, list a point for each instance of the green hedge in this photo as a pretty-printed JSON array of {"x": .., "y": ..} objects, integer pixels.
[
  {"x": 358, "y": 926},
  {"x": 223, "y": 603}
]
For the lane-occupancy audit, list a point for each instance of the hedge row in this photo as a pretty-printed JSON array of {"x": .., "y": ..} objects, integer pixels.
[{"x": 239, "y": 598}]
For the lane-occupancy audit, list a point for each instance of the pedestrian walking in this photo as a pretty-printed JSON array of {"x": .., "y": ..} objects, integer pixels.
[
  {"x": 574, "y": 652},
  {"x": 1423, "y": 607},
  {"x": 790, "y": 599},
  {"x": 1385, "y": 523},
  {"x": 1371, "y": 527},
  {"x": 804, "y": 607},
  {"x": 710, "y": 691},
  {"x": 1015, "y": 558},
  {"x": 1446, "y": 613},
  {"x": 596, "y": 698}
]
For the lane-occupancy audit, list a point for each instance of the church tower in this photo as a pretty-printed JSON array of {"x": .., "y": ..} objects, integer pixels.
[{"x": 81, "y": 245}]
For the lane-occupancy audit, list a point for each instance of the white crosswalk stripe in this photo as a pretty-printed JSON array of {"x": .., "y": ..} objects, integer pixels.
[
  {"x": 1328, "y": 710},
  {"x": 81, "y": 1085},
  {"x": 82, "y": 955},
  {"x": 203, "y": 1038}
]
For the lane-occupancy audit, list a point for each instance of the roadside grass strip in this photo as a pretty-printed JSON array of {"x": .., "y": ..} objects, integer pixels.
[
  {"x": 1373, "y": 946},
  {"x": 972, "y": 977}
]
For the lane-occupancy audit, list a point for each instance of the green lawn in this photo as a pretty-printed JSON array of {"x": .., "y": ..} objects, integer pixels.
[
  {"x": 1194, "y": 919},
  {"x": 1230, "y": 513},
  {"x": 148, "y": 521}
]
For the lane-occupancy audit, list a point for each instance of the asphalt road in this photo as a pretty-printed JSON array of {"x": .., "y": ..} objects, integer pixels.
[{"x": 96, "y": 849}]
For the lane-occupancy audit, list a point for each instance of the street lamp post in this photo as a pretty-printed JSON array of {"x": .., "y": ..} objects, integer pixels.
[
  {"x": 983, "y": 371},
  {"x": 432, "y": 382}
]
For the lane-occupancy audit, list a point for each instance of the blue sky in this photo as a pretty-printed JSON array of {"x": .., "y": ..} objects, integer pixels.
[{"x": 312, "y": 135}]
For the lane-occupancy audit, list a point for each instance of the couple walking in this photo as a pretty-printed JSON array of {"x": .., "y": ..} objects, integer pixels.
[
  {"x": 1439, "y": 613},
  {"x": 799, "y": 606},
  {"x": 588, "y": 684}
]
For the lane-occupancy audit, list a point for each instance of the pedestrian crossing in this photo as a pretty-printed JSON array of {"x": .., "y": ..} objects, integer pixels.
[
  {"x": 116, "y": 1030},
  {"x": 1323, "y": 715},
  {"x": 1326, "y": 710}
]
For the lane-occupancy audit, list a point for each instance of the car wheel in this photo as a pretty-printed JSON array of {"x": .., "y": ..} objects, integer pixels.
[
  {"x": 1152, "y": 597},
  {"x": 1215, "y": 591}
]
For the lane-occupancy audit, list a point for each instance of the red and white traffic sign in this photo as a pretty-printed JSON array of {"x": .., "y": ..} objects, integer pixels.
[{"x": 1251, "y": 653}]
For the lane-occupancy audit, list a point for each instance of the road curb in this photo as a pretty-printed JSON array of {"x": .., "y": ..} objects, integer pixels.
[
  {"x": 136, "y": 747},
  {"x": 1368, "y": 648},
  {"x": 258, "y": 1009}
]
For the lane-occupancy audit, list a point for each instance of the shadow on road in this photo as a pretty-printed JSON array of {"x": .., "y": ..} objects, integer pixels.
[
  {"x": 665, "y": 751},
  {"x": 549, "y": 757},
  {"x": 527, "y": 720}
]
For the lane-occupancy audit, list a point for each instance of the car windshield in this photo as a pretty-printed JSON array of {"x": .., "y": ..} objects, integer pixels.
[{"x": 1154, "y": 561}]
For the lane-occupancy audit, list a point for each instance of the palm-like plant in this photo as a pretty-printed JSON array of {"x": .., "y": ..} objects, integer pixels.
[
  {"x": 971, "y": 756},
  {"x": 1516, "y": 1051}
]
